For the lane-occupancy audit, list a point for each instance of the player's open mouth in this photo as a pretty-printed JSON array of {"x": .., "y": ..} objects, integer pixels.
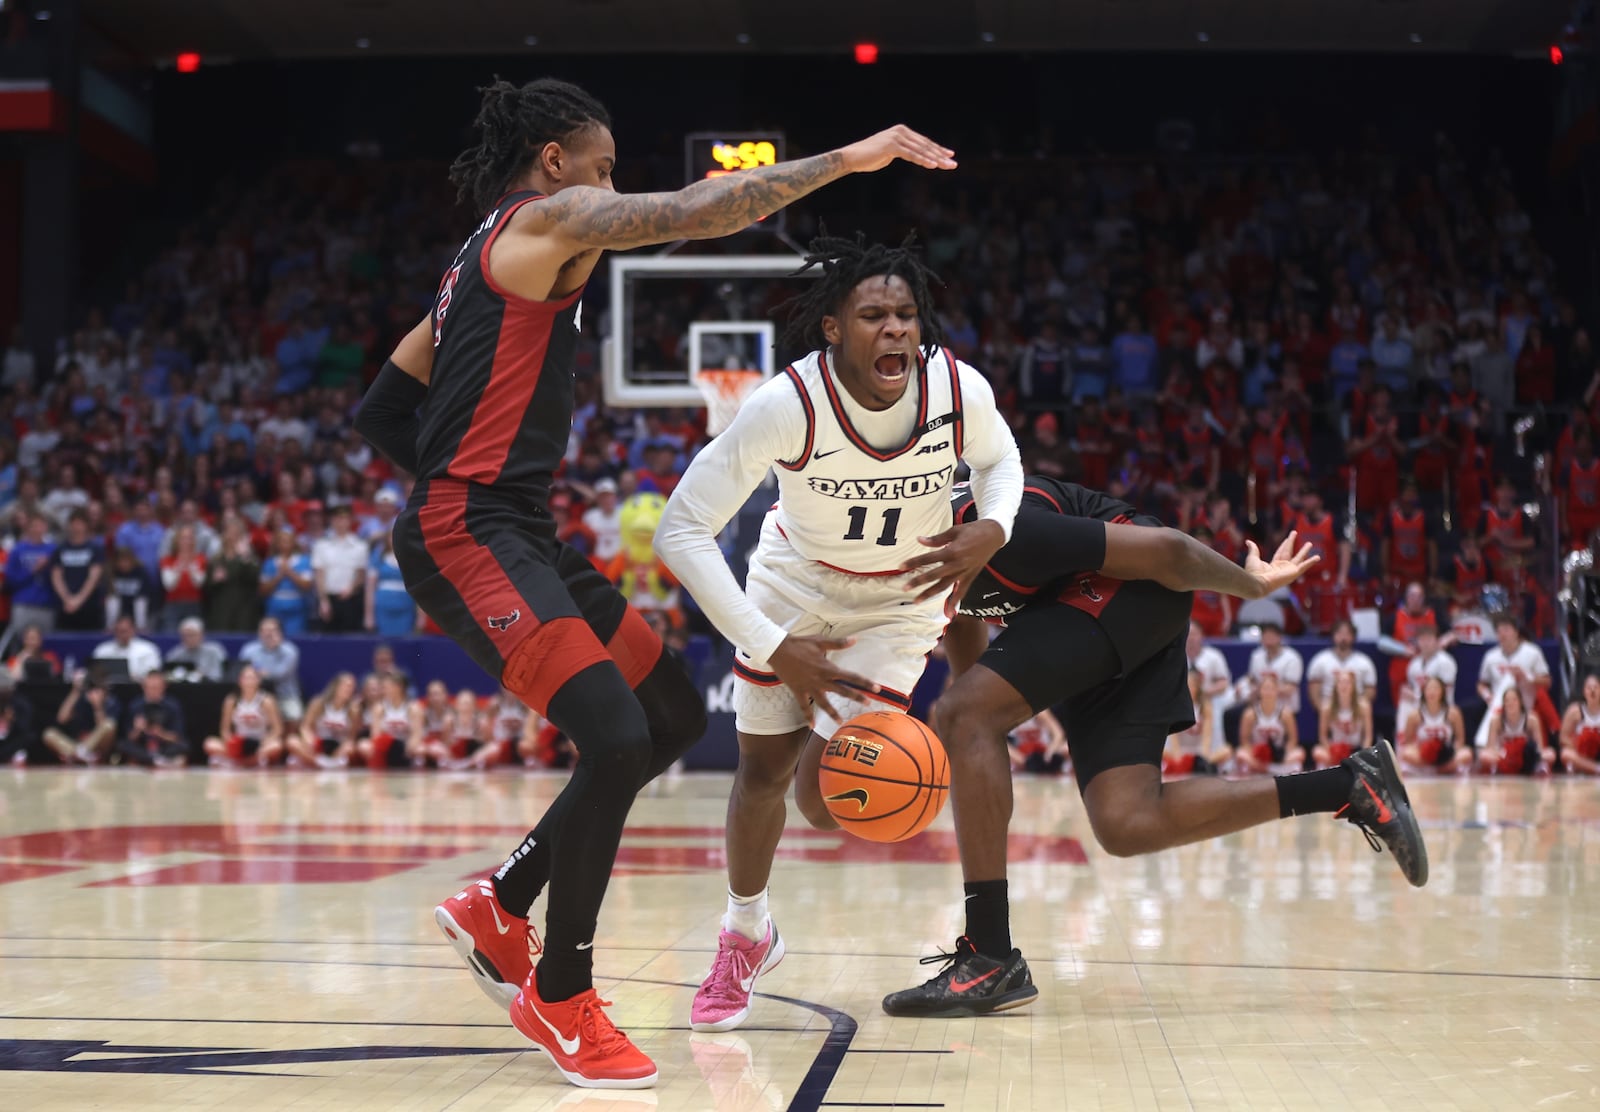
[{"x": 891, "y": 368}]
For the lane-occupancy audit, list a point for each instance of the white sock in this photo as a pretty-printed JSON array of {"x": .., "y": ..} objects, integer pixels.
[{"x": 747, "y": 915}]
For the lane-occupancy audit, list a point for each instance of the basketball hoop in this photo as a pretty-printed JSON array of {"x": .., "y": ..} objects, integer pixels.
[{"x": 724, "y": 392}]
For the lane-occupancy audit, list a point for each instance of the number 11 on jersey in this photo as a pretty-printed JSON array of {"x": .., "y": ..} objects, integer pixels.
[{"x": 858, "y": 525}]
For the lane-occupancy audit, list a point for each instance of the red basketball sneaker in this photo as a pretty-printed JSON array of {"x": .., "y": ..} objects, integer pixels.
[
  {"x": 581, "y": 1040},
  {"x": 497, "y": 946}
]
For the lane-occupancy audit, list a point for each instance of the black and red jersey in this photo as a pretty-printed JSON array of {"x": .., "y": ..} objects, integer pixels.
[
  {"x": 499, "y": 406},
  {"x": 1057, "y": 545}
]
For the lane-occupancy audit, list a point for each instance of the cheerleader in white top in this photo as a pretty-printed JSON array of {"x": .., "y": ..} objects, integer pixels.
[
  {"x": 1580, "y": 730},
  {"x": 473, "y": 745},
  {"x": 252, "y": 730},
  {"x": 433, "y": 728},
  {"x": 388, "y": 725},
  {"x": 1268, "y": 733},
  {"x": 1516, "y": 744},
  {"x": 1435, "y": 735},
  {"x": 1344, "y": 722},
  {"x": 327, "y": 734}
]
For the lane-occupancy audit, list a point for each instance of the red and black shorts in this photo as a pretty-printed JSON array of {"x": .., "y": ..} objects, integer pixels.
[
  {"x": 1119, "y": 681},
  {"x": 488, "y": 569}
]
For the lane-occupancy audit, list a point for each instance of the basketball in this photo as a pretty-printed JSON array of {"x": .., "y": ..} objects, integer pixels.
[{"x": 884, "y": 776}]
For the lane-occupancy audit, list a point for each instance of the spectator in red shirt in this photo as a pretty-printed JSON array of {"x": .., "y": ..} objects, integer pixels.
[
  {"x": 183, "y": 577},
  {"x": 1469, "y": 573},
  {"x": 1507, "y": 540},
  {"x": 1434, "y": 443},
  {"x": 1212, "y": 611},
  {"x": 659, "y": 472},
  {"x": 1579, "y": 482},
  {"x": 1408, "y": 553},
  {"x": 570, "y": 529},
  {"x": 1376, "y": 453},
  {"x": 1536, "y": 369},
  {"x": 1093, "y": 444}
]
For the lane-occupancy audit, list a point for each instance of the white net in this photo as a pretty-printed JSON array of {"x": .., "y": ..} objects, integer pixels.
[{"x": 724, "y": 392}]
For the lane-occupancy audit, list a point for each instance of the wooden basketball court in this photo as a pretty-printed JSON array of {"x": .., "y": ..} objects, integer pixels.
[{"x": 241, "y": 941}]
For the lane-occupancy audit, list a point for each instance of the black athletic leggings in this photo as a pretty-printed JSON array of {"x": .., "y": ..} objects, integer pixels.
[{"x": 624, "y": 740}]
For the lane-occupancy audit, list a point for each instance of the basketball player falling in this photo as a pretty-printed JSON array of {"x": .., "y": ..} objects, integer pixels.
[
  {"x": 1093, "y": 597},
  {"x": 865, "y": 434},
  {"x": 491, "y": 369}
]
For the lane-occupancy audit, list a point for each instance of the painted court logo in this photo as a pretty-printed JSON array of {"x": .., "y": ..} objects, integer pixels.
[{"x": 505, "y": 623}]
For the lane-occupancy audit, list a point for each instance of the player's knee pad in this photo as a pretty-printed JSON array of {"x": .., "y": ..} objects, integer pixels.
[
  {"x": 548, "y": 659},
  {"x": 636, "y": 647}
]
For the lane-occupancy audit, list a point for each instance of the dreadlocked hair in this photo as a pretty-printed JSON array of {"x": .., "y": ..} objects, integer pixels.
[
  {"x": 514, "y": 123},
  {"x": 845, "y": 264}
]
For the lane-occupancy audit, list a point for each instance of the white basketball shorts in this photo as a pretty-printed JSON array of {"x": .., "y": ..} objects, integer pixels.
[{"x": 893, "y": 635}]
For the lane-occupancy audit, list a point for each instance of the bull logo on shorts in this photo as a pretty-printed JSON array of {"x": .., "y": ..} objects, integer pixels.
[
  {"x": 505, "y": 623},
  {"x": 1086, "y": 588}
]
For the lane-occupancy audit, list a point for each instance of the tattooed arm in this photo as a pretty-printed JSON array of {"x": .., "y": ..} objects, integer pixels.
[{"x": 588, "y": 217}]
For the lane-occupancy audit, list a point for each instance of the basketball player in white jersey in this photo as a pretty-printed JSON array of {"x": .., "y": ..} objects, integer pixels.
[
  {"x": 251, "y": 727},
  {"x": 1580, "y": 730},
  {"x": 865, "y": 434}
]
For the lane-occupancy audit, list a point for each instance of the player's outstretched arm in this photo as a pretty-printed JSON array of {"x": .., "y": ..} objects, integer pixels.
[
  {"x": 589, "y": 217},
  {"x": 1179, "y": 562}
]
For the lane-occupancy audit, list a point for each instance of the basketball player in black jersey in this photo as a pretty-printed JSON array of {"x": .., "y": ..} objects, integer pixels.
[
  {"x": 491, "y": 370},
  {"x": 1094, "y": 598}
]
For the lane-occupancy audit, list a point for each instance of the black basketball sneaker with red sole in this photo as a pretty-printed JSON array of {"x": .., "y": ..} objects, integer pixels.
[
  {"x": 970, "y": 984},
  {"x": 1380, "y": 806}
]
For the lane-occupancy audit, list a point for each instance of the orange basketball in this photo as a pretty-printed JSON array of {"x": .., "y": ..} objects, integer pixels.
[{"x": 884, "y": 776}]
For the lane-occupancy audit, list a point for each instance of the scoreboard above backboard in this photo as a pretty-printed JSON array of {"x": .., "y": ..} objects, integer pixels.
[{"x": 711, "y": 154}]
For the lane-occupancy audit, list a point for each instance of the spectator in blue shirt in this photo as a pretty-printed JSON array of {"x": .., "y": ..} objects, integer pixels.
[
  {"x": 1091, "y": 365},
  {"x": 390, "y": 611},
  {"x": 33, "y": 602},
  {"x": 143, "y": 535},
  {"x": 278, "y": 661},
  {"x": 286, "y": 582},
  {"x": 1391, "y": 351},
  {"x": 1133, "y": 358},
  {"x": 1344, "y": 362},
  {"x": 297, "y": 359}
]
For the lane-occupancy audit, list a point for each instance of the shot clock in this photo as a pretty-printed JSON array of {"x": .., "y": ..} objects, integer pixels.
[{"x": 712, "y": 154}]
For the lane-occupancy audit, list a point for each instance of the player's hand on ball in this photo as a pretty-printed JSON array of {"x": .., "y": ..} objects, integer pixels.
[
  {"x": 898, "y": 142},
  {"x": 802, "y": 664},
  {"x": 1287, "y": 565},
  {"x": 958, "y": 555}
]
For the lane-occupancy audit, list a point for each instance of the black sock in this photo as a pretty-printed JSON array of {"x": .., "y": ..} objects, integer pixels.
[
  {"x": 1307, "y": 793},
  {"x": 566, "y": 967},
  {"x": 989, "y": 918},
  {"x": 519, "y": 881}
]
